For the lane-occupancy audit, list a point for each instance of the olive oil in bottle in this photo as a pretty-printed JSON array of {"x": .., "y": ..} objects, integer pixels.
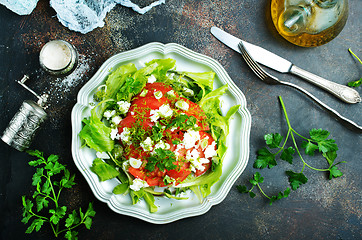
[{"x": 309, "y": 23}]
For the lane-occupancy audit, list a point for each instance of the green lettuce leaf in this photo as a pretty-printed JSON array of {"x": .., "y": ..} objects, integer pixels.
[
  {"x": 117, "y": 78},
  {"x": 204, "y": 182},
  {"x": 203, "y": 79},
  {"x": 103, "y": 170},
  {"x": 150, "y": 199},
  {"x": 96, "y": 134}
]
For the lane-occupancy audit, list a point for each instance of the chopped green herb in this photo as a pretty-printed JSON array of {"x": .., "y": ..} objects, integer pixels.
[{"x": 164, "y": 159}]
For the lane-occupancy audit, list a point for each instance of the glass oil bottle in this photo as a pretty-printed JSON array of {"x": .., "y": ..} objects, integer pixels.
[{"x": 309, "y": 23}]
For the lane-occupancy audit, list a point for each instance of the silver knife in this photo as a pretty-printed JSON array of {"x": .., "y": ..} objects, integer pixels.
[{"x": 282, "y": 65}]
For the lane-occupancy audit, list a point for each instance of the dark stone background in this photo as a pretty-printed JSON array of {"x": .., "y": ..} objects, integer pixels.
[{"x": 321, "y": 209}]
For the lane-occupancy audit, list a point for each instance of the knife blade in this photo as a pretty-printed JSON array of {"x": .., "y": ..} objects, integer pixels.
[{"x": 282, "y": 65}]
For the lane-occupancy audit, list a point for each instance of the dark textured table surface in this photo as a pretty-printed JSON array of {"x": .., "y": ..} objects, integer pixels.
[{"x": 321, "y": 209}]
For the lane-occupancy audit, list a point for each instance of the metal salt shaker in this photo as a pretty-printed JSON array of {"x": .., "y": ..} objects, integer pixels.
[{"x": 25, "y": 123}]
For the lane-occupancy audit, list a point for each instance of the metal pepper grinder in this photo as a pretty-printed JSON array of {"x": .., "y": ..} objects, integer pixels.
[{"x": 26, "y": 122}]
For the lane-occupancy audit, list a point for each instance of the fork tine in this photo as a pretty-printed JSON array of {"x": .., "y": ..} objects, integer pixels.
[{"x": 254, "y": 65}]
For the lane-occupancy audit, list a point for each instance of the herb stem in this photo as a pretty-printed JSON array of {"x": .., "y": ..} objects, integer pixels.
[
  {"x": 285, "y": 112},
  {"x": 60, "y": 189},
  {"x": 261, "y": 190},
  {"x": 46, "y": 196},
  {"x": 113, "y": 159},
  {"x": 55, "y": 232},
  {"x": 285, "y": 142},
  {"x": 54, "y": 195},
  {"x": 354, "y": 55},
  {"x": 36, "y": 215}
]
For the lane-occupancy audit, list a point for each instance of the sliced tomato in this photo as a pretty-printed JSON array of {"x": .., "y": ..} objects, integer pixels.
[
  {"x": 149, "y": 101},
  {"x": 197, "y": 112},
  {"x": 146, "y": 104},
  {"x": 137, "y": 173},
  {"x": 154, "y": 178},
  {"x": 134, "y": 121},
  {"x": 207, "y": 167},
  {"x": 181, "y": 172}
]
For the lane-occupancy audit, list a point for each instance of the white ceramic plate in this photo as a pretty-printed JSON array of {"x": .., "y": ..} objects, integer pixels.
[{"x": 238, "y": 140}]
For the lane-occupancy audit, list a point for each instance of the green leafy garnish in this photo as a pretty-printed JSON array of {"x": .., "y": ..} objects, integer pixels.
[
  {"x": 317, "y": 141},
  {"x": 358, "y": 82},
  {"x": 47, "y": 195},
  {"x": 164, "y": 159},
  {"x": 103, "y": 170}
]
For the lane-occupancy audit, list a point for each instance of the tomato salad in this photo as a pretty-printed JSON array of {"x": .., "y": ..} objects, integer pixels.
[{"x": 158, "y": 130}]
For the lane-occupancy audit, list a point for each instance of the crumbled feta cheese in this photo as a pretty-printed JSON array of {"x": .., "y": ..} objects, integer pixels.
[
  {"x": 116, "y": 120},
  {"x": 188, "y": 92},
  {"x": 171, "y": 93},
  {"x": 147, "y": 144},
  {"x": 154, "y": 115},
  {"x": 123, "y": 106},
  {"x": 114, "y": 134},
  {"x": 151, "y": 79},
  {"x": 161, "y": 144},
  {"x": 158, "y": 94},
  {"x": 210, "y": 150},
  {"x": 108, "y": 114},
  {"x": 144, "y": 93},
  {"x": 195, "y": 160},
  {"x": 190, "y": 138},
  {"x": 173, "y": 129},
  {"x": 102, "y": 155},
  {"x": 181, "y": 104},
  {"x": 165, "y": 111},
  {"x": 126, "y": 136},
  {"x": 134, "y": 162},
  {"x": 138, "y": 184},
  {"x": 178, "y": 148}
]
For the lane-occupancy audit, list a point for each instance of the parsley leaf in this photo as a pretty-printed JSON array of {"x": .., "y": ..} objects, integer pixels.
[
  {"x": 273, "y": 140},
  {"x": 265, "y": 159},
  {"x": 334, "y": 172},
  {"x": 356, "y": 83},
  {"x": 296, "y": 179},
  {"x": 327, "y": 145},
  {"x": 164, "y": 159},
  {"x": 310, "y": 148},
  {"x": 280, "y": 195},
  {"x": 287, "y": 155}
]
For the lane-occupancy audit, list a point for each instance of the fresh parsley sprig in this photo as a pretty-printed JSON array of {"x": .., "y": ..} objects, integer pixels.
[
  {"x": 255, "y": 181},
  {"x": 358, "y": 82},
  {"x": 267, "y": 157},
  {"x": 47, "y": 195}
]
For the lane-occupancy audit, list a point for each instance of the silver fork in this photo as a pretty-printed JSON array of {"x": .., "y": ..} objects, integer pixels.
[{"x": 269, "y": 79}]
